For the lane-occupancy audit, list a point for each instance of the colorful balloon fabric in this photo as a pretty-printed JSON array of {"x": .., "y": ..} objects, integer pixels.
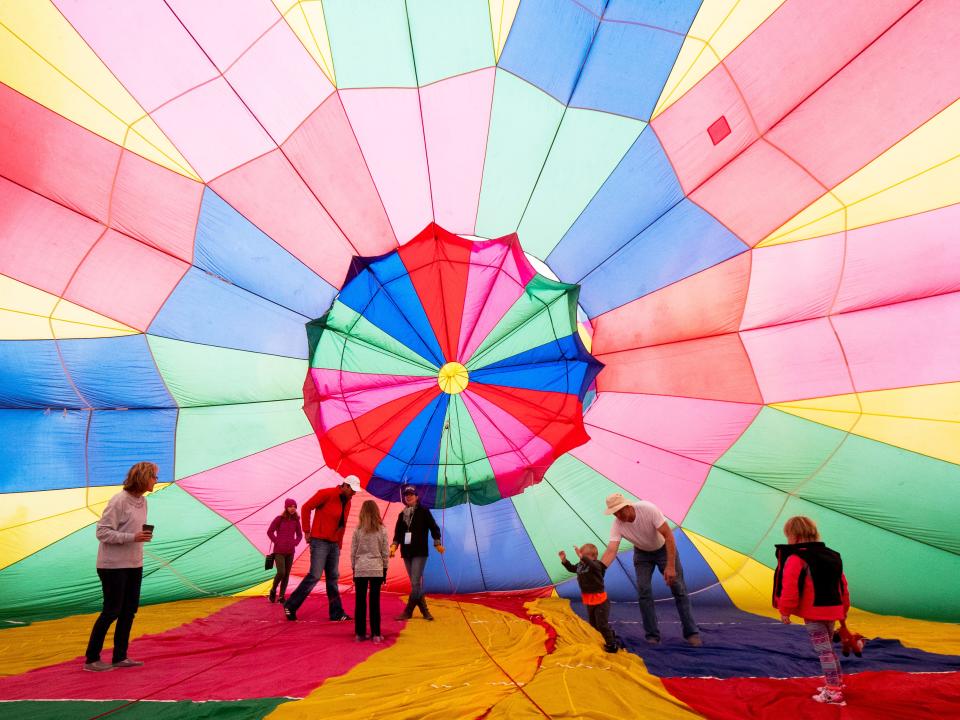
[
  {"x": 743, "y": 217},
  {"x": 449, "y": 365}
]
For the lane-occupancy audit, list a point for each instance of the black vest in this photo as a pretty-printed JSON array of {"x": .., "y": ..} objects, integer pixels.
[{"x": 824, "y": 565}]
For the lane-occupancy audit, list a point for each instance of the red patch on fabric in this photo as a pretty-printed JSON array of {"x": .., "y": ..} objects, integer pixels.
[
  {"x": 719, "y": 130},
  {"x": 869, "y": 695},
  {"x": 513, "y": 603}
]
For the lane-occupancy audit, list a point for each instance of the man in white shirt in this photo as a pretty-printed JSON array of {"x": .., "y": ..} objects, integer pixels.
[{"x": 644, "y": 525}]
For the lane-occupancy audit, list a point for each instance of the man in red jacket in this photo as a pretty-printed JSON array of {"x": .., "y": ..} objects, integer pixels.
[{"x": 330, "y": 508}]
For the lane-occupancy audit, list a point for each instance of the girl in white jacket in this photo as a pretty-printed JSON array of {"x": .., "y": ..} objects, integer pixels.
[{"x": 369, "y": 555}]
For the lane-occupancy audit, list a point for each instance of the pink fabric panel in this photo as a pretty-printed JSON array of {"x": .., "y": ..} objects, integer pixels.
[
  {"x": 697, "y": 429},
  {"x": 279, "y": 81},
  {"x": 490, "y": 293},
  {"x": 143, "y": 44},
  {"x": 325, "y": 152},
  {"x": 901, "y": 260},
  {"x": 268, "y": 192},
  {"x": 156, "y": 205},
  {"x": 668, "y": 480},
  {"x": 342, "y": 408},
  {"x": 795, "y": 281},
  {"x": 456, "y": 117},
  {"x": 336, "y": 382},
  {"x": 797, "y": 361},
  {"x": 213, "y": 129},
  {"x": 912, "y": 343},
  {"x": 505, "y": 438},
  {"x": 912, "y": 74},
  {"x": 226, "y": 28},
  {"x": 125, "y": 280},
  {"x": 708, "y": 303},
  {"x": 388, "y": 127},
  {"x": 42, "y": 242},
  {"x": 757, "y": 192}
]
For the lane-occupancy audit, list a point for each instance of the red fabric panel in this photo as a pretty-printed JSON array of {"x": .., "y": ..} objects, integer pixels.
[
  {"x": 324, "y": 151},
  {"x": 268, "y": 192},
  {"x": 357, "y": 447},
  {"x": 708, "y": 303},
  {"x": 438, "y": 263},
  {"x": 884, "y": 695},
  {"x": 554, "y": 417},
  {"x": 712, "y": 368},
  {"x": 247, "y": 650},
  {"x": 52, "y": 156}
]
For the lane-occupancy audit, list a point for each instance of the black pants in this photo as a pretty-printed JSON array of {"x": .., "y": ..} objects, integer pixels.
[
  {"x": 283, "y": 563},
  {"x": 599, "y": 616},
  {"x": 360, "y": 609},
  {"x": 121, "y": 598}
]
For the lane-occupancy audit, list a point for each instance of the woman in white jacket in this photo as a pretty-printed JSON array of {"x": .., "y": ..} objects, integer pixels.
[
  {"x": 369, "y": 555},
  {"x": 122, "y": 530}
]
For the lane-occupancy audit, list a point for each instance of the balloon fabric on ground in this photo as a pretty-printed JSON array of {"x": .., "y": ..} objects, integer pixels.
[{"x": 740, "y": 217}]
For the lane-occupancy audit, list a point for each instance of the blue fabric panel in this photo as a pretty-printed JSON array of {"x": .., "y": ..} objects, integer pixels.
[
  {"x": 496, "y": 527},
  {"x": 626, "y": 68},
  {"x": 562, "y": 365},
  {"x": 121, "y": 438},
  {"x": 31, "y": 376},
  {"x": 641, "y": 189},
  {"x": 42, "y": 450},
  {"x": 384, "y": 295},
  {"x": 229, "y": 245},
  {"x": 116, "y": 372},
  {"x": 204, "y": 309},
  {"x": 682, "y": 243},
  {"x": 548, "y": 43},
  {"x": 458, "y": 570},
  {"x": 413, "y": 457},
  {"x": 672, "y": 15}
]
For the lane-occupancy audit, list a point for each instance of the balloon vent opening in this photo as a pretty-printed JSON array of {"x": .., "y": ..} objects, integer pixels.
[{"x": 453, "y": 378}]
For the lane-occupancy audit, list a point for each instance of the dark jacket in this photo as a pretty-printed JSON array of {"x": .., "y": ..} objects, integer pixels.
[
  {"x": 421, "y": 523},
  {"x": 809, "y": 582},
  {"x": 285, "y": 534},
  {"x": 589, "y": 574}
]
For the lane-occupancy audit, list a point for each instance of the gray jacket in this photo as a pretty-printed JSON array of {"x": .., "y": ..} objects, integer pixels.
[{"x": 369, "y": 553}]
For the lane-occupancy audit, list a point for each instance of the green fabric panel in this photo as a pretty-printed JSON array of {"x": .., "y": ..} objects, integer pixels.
[
  {"x": 206, "y": 375},
  {"x": 142, "y": 709},
  {"x": 523, "y": 122},
  {"x": 212, "y": 436},
  {"x": 588, "y": 147},
  {"x": 468, "y": 474},
  {"x": 901, "y": 491},
  {"x": 886, "y": 573},
  {"x": 370, "y": 43},
  {"x": 546, "y": 311},
  {"x": 781, "y": 450},
  {"x": 566, "y": 509},
  {"x": 735, "y": 511},
  {"x": 449, "y": 38},
  {"x": 369, "y": 349}
]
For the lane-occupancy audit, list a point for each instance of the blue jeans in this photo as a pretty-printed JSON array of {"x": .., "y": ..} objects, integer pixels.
[
  {"x": 415, "y": 566},
  {"x": 324, "y": 560},
  {"x": 643, "y": 563}
]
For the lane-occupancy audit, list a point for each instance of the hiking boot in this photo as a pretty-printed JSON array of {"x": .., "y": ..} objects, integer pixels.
[
  {"x": 428, "y": 616},
  {"x": 611, "y": 647},
  {"x": 97, "y": 666},
  {"x": 127, "y": 662},
  {"x": 272, "y": 597},
  {"x": 402, "y": 617},
  {"x": 830, "y": 696}
]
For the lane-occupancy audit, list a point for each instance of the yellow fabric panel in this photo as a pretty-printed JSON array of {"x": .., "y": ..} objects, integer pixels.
[
  {"x": 257, "y": 590},
  {"x": 720, "y": 25},
  {"x": 306, "y": 19},
  {"x": 924, "y": 419},
  {"x": 580, "y": 680},
  {"x": 919, "y": 173},
  {"x": 30, "y": 521},
  {"x": 55, "y": 641},
  {"x": 584, "y": 336},
  {"x": 750, "y": 586},
  {"x": 502, "y": 15},
  {"x": 25, "y": 315},
  {"x": 434, "y": 671}
]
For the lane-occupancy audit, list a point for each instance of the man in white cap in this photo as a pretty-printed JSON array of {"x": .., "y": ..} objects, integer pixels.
[
  {"x": 330, "y": 508},
  {"x": 644, "y": 525}
]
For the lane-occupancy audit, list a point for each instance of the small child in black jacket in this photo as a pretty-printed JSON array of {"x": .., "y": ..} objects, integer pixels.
[{"x": 590, "y": 572}]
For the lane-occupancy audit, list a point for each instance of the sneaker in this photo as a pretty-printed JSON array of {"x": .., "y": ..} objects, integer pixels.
[
  {"x": 830, "y": 697},
  {"x": 272, "y": 597},
  {"x": 97, "y": 666},
  {"x": 402, "y": 617},
  {"x": 428, "y": 616},
  {"x": 290, "y": 613},
  {"x": 694, "y": 640},
  {"x": 821, "y": 688},
  {"x": 611, "y": 647},
  {"x": 377, "y": 639},
  {"x": 127, "y": 662},
  {"x": 360, "y": 638},
  {"x": 652, "y": 640},
  {"x": 343, "y": 618}
]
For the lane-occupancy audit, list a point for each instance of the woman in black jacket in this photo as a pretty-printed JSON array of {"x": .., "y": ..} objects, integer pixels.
[{"x": 410, "y": 534}]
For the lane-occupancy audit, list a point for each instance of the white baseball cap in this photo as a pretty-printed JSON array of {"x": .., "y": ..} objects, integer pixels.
[{"x": 353, "y": 481}]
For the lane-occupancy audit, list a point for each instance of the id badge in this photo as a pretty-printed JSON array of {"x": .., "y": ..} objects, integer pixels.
[{"x": 407, "y": 538}]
